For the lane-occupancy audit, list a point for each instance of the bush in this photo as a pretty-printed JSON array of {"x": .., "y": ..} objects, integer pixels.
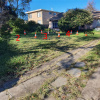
[
  {"x": 18, "y": 26},
  {"x": 39, "y": 28},
  {"x": 74, "y": 18},
  {"x": 31, "y": 26},
  {"x": 5, "y": 31},
  {"x": 46, "y": 30}
]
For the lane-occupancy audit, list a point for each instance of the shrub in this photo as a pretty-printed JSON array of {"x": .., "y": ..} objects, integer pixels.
[
  {"x": 18, "y": 26},
  {"x": 74, "y": 18},
  {"x": 31, "y": 26},
  {"x": 5, "y": 31},
  {"x": 46, "y": 30},
  {"x": 39, "y": 28}
]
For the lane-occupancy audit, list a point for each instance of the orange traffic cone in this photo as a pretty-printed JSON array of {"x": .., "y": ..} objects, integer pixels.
[
  {"x": 71, "y": 32},
  {"x": 77, "y": 33},
  {"x": 59, "y": 34},
  {"x": 35, "y": 36},
  {"x": 24, "y": 32},
  {"x": 41, "y": 31},
  {"x": 85, "y": 34}
]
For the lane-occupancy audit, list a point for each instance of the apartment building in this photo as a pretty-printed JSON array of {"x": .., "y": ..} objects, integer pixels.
[{"x": 41, "y": 16}]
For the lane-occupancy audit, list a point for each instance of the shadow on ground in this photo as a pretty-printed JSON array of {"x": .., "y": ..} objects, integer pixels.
[
  {"x": 88, "y": 38},
  {"x": 7, "y": 51}
]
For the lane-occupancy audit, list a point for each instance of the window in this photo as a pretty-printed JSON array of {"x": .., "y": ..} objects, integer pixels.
[
  {"x": 55, "y": 25},
  {"x": 29, "y": 15},
  {"x": 39, "y": 14},
  {"x": 39, "y": 21},
  {"x": 50, "y": 12},
  {"x": 54, "y": 13}
]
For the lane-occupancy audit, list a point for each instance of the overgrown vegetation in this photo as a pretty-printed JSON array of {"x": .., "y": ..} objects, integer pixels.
[
  {"x": 17, "y": 26},
  {"x": 18, "y": 57},
  {"x": 74, "y": 86},
  {"x": 74, "y": 18}
]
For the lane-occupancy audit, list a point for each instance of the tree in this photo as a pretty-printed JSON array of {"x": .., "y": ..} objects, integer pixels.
[
  {"x": 12, "y": 8},
  {"x": 18, "y": 26},
  {"x": 90, "y": 6},
  {"x": 74, "y": 18},
  {"x": 7, "y": 14},
  {"x": 19, "y": 6}
]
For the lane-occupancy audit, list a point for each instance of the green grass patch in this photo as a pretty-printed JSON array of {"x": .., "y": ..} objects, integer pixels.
[
  {"x": 18, "y": 57},
  {"x": 74, "y": 86}
]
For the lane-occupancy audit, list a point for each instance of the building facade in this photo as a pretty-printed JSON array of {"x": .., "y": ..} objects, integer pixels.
[
  {"x": 41, "y": 16},
  {"x": 53, "y": 21},
  {"x": 50, "y": 18}
]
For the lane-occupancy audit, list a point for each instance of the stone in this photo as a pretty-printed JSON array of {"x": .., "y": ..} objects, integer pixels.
[
  {"x": 90, "y": 93},
  {"x": 34, "y": 83},
  {"x": 4, "y": 96},
  {"x": 18, "y": 91},
  {"x": 59, "y": 82},
  {"x": 74, "y": 72},
  {"x": 80, "y": 99},
  {"x": 80, "y": 64},
  {"x": 92, "y": 88},
  {"x": 65, "y": 63},
  {"x": 50, "y": 98}
]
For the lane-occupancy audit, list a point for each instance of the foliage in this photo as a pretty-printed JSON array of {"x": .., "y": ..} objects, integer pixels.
[
  {"x": 31, "y": 26},
  {"x": 19, "y": 6},
  {"x": 39, "y": 28},
  {"x": 90, "y": 6},
  {"x": 18, "y": 25},
  {"x": 74, "y": 18},
  {"x": 46, "y": 30},
  {"x": 5, "y": 31},
  {"x": 2, "y": 3},
  {"x": 7, "y": 14}
]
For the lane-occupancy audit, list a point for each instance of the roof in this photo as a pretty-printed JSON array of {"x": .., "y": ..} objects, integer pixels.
[
  {"x": 56, "y": 17},
  {"x": 96, "y": 14},
  {"x": 40, "y": 10}
]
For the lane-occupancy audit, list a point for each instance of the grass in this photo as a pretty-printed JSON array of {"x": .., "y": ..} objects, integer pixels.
[
  {"x": 74, "y": 86},
  {"x": 18, "y": 57}
]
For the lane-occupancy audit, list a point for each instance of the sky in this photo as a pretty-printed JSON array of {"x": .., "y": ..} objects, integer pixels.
[{"x": 61, "y": 5}]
